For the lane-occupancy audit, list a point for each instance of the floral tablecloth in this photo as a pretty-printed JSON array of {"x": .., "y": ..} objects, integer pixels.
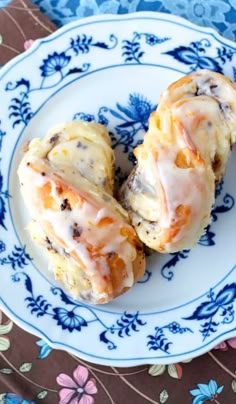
[
  {"x": 218, "y": 14},
  {"x": 30, "y": 371}
]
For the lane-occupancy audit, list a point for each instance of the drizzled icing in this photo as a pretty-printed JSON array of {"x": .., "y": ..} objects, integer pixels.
[
  {"x": 182, "y": 187},
  {"x": 184, "y": 152},
  {"x": 87, "y": 218},
  {"x": 88, "y": 227},
  {"x": 176, "y": 187}
]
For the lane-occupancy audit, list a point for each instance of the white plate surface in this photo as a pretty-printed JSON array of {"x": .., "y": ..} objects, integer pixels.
[{"x": 112, "y": 69}]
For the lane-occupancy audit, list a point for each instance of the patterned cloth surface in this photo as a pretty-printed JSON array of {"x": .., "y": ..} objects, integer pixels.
[
  {"x": 30, "y": 371},
  {"x": 218, "y": 14}
]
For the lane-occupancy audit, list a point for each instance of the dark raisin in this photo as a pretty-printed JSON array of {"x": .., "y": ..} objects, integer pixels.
[
  {"x": 196, "y": 91},
  {"x": 49, "y": 245},
  {"x": 77, "y": 231},
  {"x": 54, "y": 139},
  {"x": 82, "y": 145},
  {"x": 47, "y": 240},
  {"x": 209, "y": 124},
  {"x": 50, "y": 248},
  {"x": 43, "y": 174},
  {"x": 216, "y": 163},
  {"x": 65, "y": 205}
]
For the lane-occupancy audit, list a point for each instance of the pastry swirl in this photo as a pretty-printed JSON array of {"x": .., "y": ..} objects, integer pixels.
[
  {"x": 170, "y": 192},
  {"x": 67, "y": 184}
]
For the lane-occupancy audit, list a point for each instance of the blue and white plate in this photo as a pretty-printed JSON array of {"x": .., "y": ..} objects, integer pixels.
[{"x": 112, "y": 69}]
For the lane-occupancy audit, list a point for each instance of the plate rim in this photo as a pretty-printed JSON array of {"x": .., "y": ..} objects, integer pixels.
[{"x": 156, "y": 15}]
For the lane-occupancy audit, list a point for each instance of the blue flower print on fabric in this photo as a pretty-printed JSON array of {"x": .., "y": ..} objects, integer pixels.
[
  {"x": 206, "y": 392},
  {"x": 10, "y": 398},
  {"x": 200, "y": 12},
  {"x": 4, "y": 3},
  {"x": 45, "y": 349},
  {"x": 218, "y": 14}
]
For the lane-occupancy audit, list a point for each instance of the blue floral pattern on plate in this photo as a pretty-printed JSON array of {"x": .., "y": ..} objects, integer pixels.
[
  {"x": 78, "y": 315},
  {"x": 56, "y": 64},
  {"x": 196, "y": 55},
  {"x": 82, "y": 73},
  {"x": 220, "y": 306},
  {"x": 132, "y": 122},
  {"x": 159, "y": 341},
  {"x": 132, "y": 48}
]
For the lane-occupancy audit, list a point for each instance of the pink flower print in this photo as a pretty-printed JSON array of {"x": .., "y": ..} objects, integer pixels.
[
  {"x": 77, "y": 390},
  {"x": 224, "y": 346},
  {"x": 28, "y": 44}
]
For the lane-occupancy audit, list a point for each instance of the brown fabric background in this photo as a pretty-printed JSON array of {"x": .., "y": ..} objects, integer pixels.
[{"x": 19, "y": 21}]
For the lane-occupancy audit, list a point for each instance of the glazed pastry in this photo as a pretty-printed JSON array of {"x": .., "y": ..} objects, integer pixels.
[
  {"x": 67, "y": 184},
  {"x": 170, "y": 192}
]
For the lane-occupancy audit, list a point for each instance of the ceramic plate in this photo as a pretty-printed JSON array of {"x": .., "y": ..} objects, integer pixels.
[{"x": 112, "y": 69}]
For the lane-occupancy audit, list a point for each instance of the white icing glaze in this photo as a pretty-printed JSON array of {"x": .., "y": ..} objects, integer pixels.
[
  {"x": 185, "y": 151},
  {"x": 91, "y": 231},
  {"x": 197, "y": 122},
  {"x": 87, "y": 217},
  {"x": 182, "y": 187}
]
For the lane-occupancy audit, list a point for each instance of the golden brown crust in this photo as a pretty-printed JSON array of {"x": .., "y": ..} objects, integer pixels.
[
  {"x": 92, "y": 248},
  {"x": 170, "y": 193}
]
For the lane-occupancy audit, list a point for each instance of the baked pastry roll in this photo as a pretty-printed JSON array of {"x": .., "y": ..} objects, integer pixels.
[
  {"x": 170, "y": 192},
  {"x": 67, "y": 185}
]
